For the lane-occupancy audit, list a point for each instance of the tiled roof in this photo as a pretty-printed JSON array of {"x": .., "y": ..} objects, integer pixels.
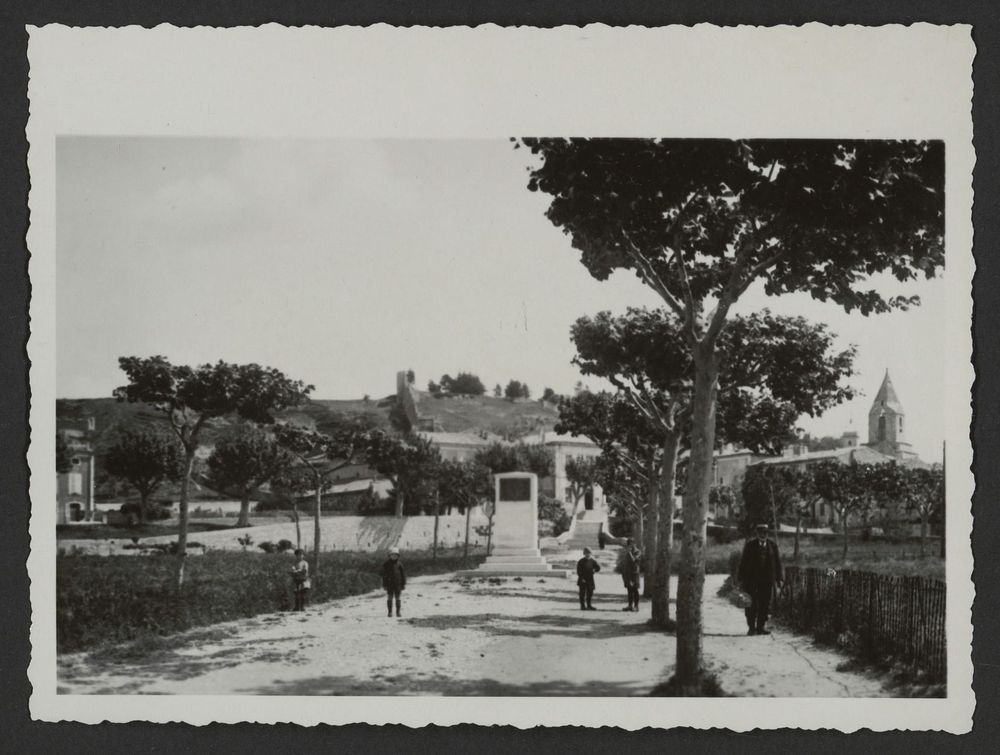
[
  {"x": 455, "y": 439},
  {"x": 861, "y": 454}
]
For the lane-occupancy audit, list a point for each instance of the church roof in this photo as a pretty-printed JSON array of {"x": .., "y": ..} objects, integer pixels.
[
  {"x": 859, "y": 454},
  {"x": 886, "y": 398}
]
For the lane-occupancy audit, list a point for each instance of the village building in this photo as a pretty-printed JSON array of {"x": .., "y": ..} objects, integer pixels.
[
  {"x": 886, "y": 443},
  {"x": 75, "y": 486}
]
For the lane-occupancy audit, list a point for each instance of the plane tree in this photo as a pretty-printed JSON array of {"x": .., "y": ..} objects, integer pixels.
[
  {"x": 701, "y": 221},
  {"x": 773, "y": 369},
  {"x": 144, "y": 458},
  {"x": 244, "y": 458},
  {"x": 318, "y": 456},
  {"x": 191, "y": 397},
  {"x": 627, "y": 439}
]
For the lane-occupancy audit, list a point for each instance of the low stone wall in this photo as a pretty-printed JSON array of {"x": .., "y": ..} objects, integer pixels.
[{"x": 352, "y": 533}]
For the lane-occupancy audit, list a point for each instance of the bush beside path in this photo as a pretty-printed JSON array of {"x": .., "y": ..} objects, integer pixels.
[{"x": 477, "y": 637}]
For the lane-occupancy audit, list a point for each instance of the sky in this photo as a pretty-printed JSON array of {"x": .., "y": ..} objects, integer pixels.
[{"x": 340, "y": 262}]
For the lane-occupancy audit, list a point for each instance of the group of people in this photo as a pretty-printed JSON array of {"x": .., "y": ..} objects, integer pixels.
[
  {"x": 759, "y": 574},
  {"x": 629, "y": 567},
  {"x": 393, "y": 581}
]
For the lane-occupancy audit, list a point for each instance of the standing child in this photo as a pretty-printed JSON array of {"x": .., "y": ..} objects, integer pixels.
[
  {"x": 586, "y": 567},
  {"x": 393, "y": 580},
  {"x": 300, "y": 579}
]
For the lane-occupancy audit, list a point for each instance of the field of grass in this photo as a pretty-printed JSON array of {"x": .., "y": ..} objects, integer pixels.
[
  {"x": 103, "y": 600},
  {"x": 108, "y": 532},
  {"x": 902, "y": 559}
]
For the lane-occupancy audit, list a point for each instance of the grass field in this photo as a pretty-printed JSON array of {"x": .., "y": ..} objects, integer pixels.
[
  {"x": 902, "y": 559},
  {"x": 107, "y": 532},
  {"x": 103, "y": 600}
]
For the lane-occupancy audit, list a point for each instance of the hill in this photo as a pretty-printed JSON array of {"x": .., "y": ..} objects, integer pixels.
[
  {"x": 495, "y": 415},
  {"x": 450, "y": 414}
]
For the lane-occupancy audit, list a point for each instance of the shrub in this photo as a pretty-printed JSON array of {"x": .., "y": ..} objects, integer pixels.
[
  {"x": 279, "y": 547},
  {"x": 552, "y": 510},
  {"x": 154, "y": 513}
]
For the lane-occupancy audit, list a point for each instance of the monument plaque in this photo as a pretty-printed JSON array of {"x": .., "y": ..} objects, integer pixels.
[{"x": 515, "y": 529}]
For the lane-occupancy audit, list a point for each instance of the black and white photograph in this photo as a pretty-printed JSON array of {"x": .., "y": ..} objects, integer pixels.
[{"x": 579, "y": 408}]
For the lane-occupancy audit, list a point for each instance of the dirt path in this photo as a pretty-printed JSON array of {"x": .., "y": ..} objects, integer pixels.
[{"x": 507, "y": 638}]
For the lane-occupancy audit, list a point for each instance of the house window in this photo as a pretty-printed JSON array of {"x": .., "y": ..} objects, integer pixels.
[
  {"x": 75, "y": 482},
  {"x": 900, "y": 424}
]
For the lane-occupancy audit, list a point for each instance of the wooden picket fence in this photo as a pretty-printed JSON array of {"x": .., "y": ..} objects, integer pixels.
[{"x": 881, "y": 617}]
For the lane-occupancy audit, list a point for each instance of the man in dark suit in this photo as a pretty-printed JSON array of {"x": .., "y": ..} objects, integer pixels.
[
  {"x": 760, "y": 571},
  {"x": 586, "y": 568},
  {"x": 628, "y": 567}
]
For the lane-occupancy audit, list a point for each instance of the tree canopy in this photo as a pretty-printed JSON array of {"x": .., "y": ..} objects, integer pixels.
[
  {"x": 243, "y": 459},
  {"x": 772, "y": 370},
  {"x": 145, "y": 459},
  {"x": 463, "y": 384},
  {"x": 516, "y": 389},
  {"x": 519, "y": 457},
  {"x": 700, "y": 218}
]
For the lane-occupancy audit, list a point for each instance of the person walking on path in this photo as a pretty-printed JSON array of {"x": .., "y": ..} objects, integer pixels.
[
  {"x": 393, "y": 580},
  {"x": 586, "y": 568},
  {"x": 760, "y": 572},
  {"x": 628, "y": 567},
  {"x": 300, "y": 580}
]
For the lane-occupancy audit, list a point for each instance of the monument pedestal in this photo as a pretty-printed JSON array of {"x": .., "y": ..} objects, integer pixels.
[{"x": 515, "y": 531}]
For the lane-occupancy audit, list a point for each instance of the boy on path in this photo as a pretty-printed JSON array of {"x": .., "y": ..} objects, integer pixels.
[
  {"x": 300, "y": 580},
  {"x": 586, "y": 568},
  {"x": 393, "y": 580}
]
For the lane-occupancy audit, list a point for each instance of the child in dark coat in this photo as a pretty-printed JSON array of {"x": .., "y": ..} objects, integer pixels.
[
  {"x": 393, "y": 580},
  {"x": 586, "y": 567}
]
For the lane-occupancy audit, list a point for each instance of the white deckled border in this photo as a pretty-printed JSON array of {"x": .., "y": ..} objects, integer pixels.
[{"x": 812, "y": 81}]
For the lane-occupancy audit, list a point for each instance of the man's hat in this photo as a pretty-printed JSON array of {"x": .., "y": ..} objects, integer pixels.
[
  {"x": 394, "y": 551},
  {"x": 586, "y": 551},
  {"x": 761, "y": 526}
]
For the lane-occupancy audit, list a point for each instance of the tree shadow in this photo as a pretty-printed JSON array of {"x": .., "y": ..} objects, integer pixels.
[
  {"x": 437, "y": 684},
  {"x": 580, "y": 626}
]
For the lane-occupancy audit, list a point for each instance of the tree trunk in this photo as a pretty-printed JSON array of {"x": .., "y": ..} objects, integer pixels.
[
  {"x": 468, "y": 517},
  {"x": 143, "y": 506},
  {"x": 317, "y": 509},
  {"x": 399, "y": 503},
  {"x": 244, "y": 518},
  {"x": 798, "y": 529},
  {"x": 843, "y": 521},
  {"x": 489, "y": 531},
  {"x": 437, "y": 518},
  {"x": 665, "y": 534},
  {"x": 923, "y": 530},
  {"x": 691, "y": 578},
  {"x": 298, "y": 528},
  {"x": 651, "y": 516},
  {"x": 774, "y": 517},
  {"x": 182, "y": 523}
]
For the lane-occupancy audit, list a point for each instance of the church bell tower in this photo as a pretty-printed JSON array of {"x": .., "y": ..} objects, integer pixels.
[{"x": 887, "y": 422}]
